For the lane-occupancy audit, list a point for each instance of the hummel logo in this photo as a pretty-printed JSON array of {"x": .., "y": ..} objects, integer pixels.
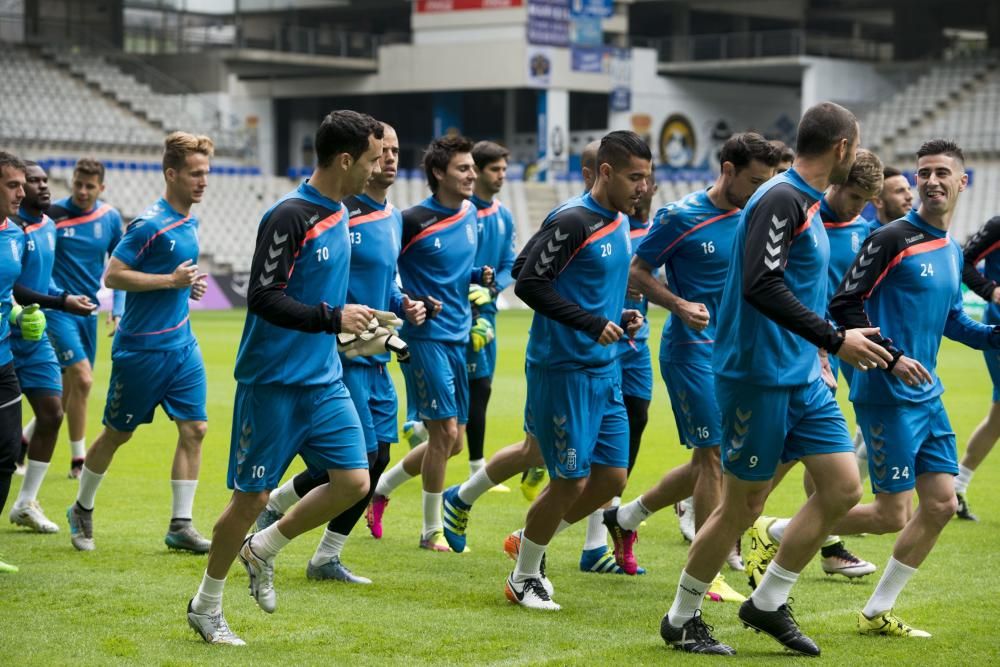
[
  {"x": 915, "y": 237},
  {"x": 778, "y": 224},
  {"x": 560, "y": 237},
  {"x": 356, "y": 211},
  {"x": 311, "y": 221},
  {"x": 594, "y": 227},
  {"x": 280, "y": 238},
  {"x": 429, "y": 221}
]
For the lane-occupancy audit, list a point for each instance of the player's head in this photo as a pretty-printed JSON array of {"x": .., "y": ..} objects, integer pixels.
[
  {"x": 88, "y": 182},
  {"x": 645, "y": 203},
  {"x": 186, "y": 163},
  {"x": 830, "y": 133},
  {"x": 491, "y": 166},
  {"x": 451, "y": 172},
  {"x": 349, "y": 146},
  {"x": 864, "y": 183},
  {"x": 388, "y": 164},
  {"x": 11, "y": 183},
  {"x": 940, "y": 176},
  {"x": 588, "y": 164},
  {"x": 36, "y": 188},
  {"x": 624, "y": 164},
  {"x": 896, "y": 198},
  {"x": 786, "y": 156},
  {"x": 747, "y": 160}
]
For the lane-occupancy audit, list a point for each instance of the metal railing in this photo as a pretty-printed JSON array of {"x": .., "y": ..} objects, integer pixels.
[{"x": 762, "y": 44}]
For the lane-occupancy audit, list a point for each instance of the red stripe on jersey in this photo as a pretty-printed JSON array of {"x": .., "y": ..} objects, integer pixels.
[
  {"x": 986, "y": 252},
  {"x": 329, "y": 222},
  {"x": 37, "y": 225},
  {"x": 595, "y": 237},
  {"x": 919, "y": 249},
  {"x": 4, "y": 225},
  {"x": 371, "y": 217},
  {"x": 809, "y": 216},
  {"x": 493, "y": 208},
  {"x": 704, "y": 223},
  {"x": 695, "y": 342},
  {"x": 835, "y": 225},
  {"x": 439, "y": 225},
  {"x": 162, "y": 231},
  {"x": 161, "y": 331},
  {"x": 93, "y": 215},
  {"x": 639, "y": 233}
]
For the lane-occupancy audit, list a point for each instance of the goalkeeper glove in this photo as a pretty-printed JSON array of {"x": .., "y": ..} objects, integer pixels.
[
  {"x": 481, "y": 335},
  {"x": 386, "y": 319},
  {"x": 31, "y": 321},
  {"x": 372, "y": 342},
  {"x": 479, "y": 295}
]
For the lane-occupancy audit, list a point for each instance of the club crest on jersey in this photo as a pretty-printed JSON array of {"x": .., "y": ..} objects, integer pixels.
[
  {"x": 470, "y": 233},
  {"x": 98, "y": 229},
  {"x": 15, "y": 251},
  {"x": 855, "y": 242}
]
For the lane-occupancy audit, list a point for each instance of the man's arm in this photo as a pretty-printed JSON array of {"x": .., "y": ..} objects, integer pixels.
[
  {"x": 503, "y": 278},
  {"x": 540, "y": 263},
  {"x": 694, "y": 315},
  {"x": 980, "y": 244},
  {"x": 769, "y": 235},
  {"x": 121, "y": 276},
  {"x": 963, "y": 329}
]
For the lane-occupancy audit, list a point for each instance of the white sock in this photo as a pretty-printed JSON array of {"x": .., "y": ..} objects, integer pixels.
[
  {"x": 391, "y": 480},
  {"x": 329, "y": 547},
  {"x": 268, "y": 542},
  {"x": 563, "y": 525},
  {"x": 432, "y": 512},
  {"x": 777, "y": 529},
  {"x": 89, "y": 482},
  {"x": 209, "y": 597},
  {"x": 775, "y": 587},
  {"x": 476, "y": 466},
  {"x": 28, "y": 430},
  {"x": 478, "y": 484},
  {"x": 183, "y": 498},
  {"x": 831, "y": 540},
  {"x": 889, "y": 587},
  {"x": 283, "y": 497},
  {"x": 33, "y": 476},
  {"x": 964, "y": 479},
  {"x": 529, "y": 559},
  {"x": 78, "y": 448},
  {"x": 597, "y": 532},
  {"x": 687, "y": 601},
  {"x": 616, "y": 501},
  {"x": 630, "y": 515}
]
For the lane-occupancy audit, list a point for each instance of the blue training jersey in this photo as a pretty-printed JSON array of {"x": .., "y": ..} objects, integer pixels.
[
  {"x": 39, "y": 253},
  {"x": 495, "y": 233},
  {"x": 769, "y": 322},
  {"x": 84, "y": 240},
  {"x": 845, "y": 242},
  {"x": 984, "y": 246},
  {"x": 375, "y": 230},
  {"x": 157, "y": 242},
  {"x": 907, "y": 281},
  {"x": 300, "y": 270},
  {"x": 438, "y": 259},
  {"x": 692, "y": 240},
  {"x": 573, "y": 273},
  {"x": 637, "y": 231},
  {"x": 11, "y": 253}
]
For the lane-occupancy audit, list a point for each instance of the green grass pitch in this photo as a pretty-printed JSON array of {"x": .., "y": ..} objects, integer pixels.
[{"x": 125, "y": 602}]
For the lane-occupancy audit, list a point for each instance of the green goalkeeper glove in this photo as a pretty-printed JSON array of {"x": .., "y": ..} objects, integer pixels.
[
  {"x": 31, "y": 321},
  {"x": 479, "y": 295},
  {"x": 481, "y": 334}
]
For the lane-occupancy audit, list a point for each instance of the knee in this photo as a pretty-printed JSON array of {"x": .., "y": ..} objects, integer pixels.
[
  {"x": 892, "y": 518},
  {"x": 82, "y": 378},
  {"x": 251, "y": 505},
  {"x": 359, "y": 486},
  {"x": 707, "y": 462},
  {"x": 840, "y": 496},
  {"x": 193, "y": 433},
  {"x": 939, "y": 510},
  {"x": 51, "y": 416}
]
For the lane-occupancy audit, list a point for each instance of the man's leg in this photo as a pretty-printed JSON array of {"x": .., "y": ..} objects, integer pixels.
[
  {"x": 10, "y": 437},
  {"x": 95, "y": 465},
  {"x": 443, "y": 440},
  {"x": 77, "y": 382},
  {"x": 479, "y": 398},
  {"x": 47, "y": 407},
  {"x": 182, "y": 533},
  {"x": 981, "y": 443}
]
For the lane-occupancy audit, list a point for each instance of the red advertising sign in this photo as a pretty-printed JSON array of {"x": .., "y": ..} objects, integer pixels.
[{"x": 429, "y": 6}]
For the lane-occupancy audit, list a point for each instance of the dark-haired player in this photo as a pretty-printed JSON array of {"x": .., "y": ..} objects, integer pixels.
[
  {"x": 894, "y": 200},
  {"x": 775, "y": 406},
  {"x": 907, "y": 281},
  {"x": 290, "y": 396},
  {"x": 437, "y": 265},
  {"x": 88, "y": 230},
  {"x": 692, "y": 240},
  {"x": 573, "y": 273}
]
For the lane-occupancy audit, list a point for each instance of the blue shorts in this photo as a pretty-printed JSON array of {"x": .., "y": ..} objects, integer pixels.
[
  {"x": 691, "y": 387},
  {"x": 272, "y": 423},
  {"x": 905, "y": 441},
  {"x": 483, "y": 364},
  {"x": 993, "y": 366},
  {"x": 765, "y": 426},
  {"x": 637, "y": 371},
  {"x": 74, "y": 337},
  {"x": 578, "y": 420},
  {"x": 143, "y": 379},
  {"x": 841, "y": 368},
  {"x": 375, "y": 400},
  {"x": 437, "y": 384},
  {"x": 36, "y": 366}
]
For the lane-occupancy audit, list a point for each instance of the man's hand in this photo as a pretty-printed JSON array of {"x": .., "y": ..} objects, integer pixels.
[
  {"x": 488, "y": 277},
  {"x": 693, "y": 315},
  {"x": 912, "y": 372},
  {"x": 612, "y": 332},
  {"x": 31, "y": 321},
  {"x": 354, "y": 318},
  {"x": 996, "y": 295},
  {"x": 414, "y": 311},
  {"x": 479, "y": 295},
  {"x": 77, "y": 304},
  {"x": 862, "y": 353},
  {"x": 185, "y": 275},
  {"x": 199, "y": 287},
  {"x": 481, "y": 334},
  {"x": 112, "y": 323},
  {"x": 632, "y": 292},
  {"x": 826, "y": 371},
  {"x": 433, "y": 306},
  {"x": 631, "y": 321}
]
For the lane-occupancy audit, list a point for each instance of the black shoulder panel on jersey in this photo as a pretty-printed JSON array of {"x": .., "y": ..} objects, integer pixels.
[
  {"x": 416, "y": 219},
  {"x": 980, "y": 244},
  {"x": 58, "y": 213},
  {"x": 356, "y": 206}
]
